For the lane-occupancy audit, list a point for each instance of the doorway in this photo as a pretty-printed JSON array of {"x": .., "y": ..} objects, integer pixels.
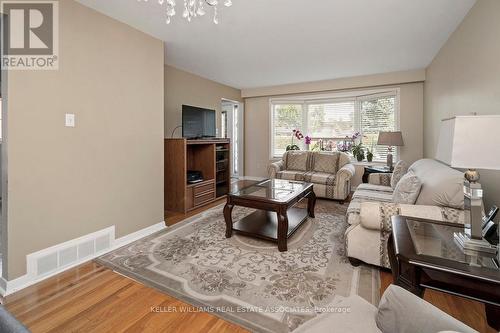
[{"x": 232, "y": 126}]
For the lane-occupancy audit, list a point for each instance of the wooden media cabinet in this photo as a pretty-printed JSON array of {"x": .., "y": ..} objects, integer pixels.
[{"x": 210, "y": 157}]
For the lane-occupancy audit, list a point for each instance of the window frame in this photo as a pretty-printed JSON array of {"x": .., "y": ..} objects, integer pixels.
[{"x": 358, "y": 96}]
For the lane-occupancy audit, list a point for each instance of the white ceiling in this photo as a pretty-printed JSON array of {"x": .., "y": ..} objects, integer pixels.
[{"x": 271, "y": 42}]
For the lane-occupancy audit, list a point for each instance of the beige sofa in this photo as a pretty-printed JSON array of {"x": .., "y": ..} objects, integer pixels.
[
  {"x": 370, "y": 211},
  {"x": 399, "y": 311},
  {"x": 330, "y": 173}
]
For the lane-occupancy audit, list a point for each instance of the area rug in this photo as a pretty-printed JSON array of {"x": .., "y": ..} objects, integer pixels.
[{"x": 245, "y": 280}]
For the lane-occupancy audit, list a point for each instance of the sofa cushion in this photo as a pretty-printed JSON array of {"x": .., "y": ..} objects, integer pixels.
[
  {"x": 402, "y": 312},
  {"x": 325, "y": 162},
  {"x": 372, "y": 187},
  {"x": 320, "y": 178},
  {"x": 373, "y": 193},
  {"x": 296, "y": 160},
  {"x": 290, "y": 175},
  {"x": 441, "y": 185},
  {"x": 407, "y": 189},
  {"x": 400, "y": 170}
]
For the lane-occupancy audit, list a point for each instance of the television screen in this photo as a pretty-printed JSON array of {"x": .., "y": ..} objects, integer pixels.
[{"x": 198, "y": 122}]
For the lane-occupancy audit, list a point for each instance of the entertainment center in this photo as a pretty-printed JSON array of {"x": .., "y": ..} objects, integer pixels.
[{"x": 210, "y": 158}]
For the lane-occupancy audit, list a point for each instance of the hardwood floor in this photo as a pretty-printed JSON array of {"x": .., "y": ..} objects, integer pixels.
[{"x": 92, "y": 298}]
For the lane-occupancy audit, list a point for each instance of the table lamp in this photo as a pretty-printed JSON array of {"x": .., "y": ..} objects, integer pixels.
[
  {"x": 390, "y": 139},
  {"x": 467, "y": 142}
]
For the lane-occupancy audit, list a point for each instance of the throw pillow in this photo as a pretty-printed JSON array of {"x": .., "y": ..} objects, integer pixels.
[
  {"x": 325, "y": 162},
  {"x": 400, "y": 170},
  {"x": 407, "y": 189},
  {"x": 297, "y": 160}
]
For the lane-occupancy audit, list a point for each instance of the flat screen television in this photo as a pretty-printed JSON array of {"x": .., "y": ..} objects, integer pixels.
[{"x": 197, "y": 123}]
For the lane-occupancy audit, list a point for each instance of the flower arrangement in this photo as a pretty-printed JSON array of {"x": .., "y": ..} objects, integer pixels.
[
  {"x": 347, "y": 145},
  {"x": 299, "y": 136}
]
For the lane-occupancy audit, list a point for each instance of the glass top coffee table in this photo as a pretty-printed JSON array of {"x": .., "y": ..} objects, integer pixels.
[{"x": 277, "y": 216}]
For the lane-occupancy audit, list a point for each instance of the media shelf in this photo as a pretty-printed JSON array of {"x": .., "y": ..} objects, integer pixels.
[{"x": 210, "y": 157}]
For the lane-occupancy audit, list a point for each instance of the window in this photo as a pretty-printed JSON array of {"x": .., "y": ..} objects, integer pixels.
[
  {"x": 377, "y": 115},
  {"x": 286, "y": 118},
  {"x": 332, "y": 119}
]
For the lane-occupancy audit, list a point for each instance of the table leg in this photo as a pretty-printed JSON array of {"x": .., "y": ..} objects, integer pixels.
[
  {"x": 311, "y": 203},
  {"x": 493, "y": 316},
  {"x": 411, "y": 278},
  {"x": 282, "y": 230},
  {"x": 228, "y": 208}
]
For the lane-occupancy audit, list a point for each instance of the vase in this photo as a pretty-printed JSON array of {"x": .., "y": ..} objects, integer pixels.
[{"x": 360, "y": 158}]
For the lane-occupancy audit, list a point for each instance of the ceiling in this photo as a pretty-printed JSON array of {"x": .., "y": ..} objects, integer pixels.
[{"x": 271, "y": 42}]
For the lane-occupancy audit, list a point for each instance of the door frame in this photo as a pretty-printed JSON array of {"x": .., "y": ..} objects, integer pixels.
[{"x": 240, "y": 137}]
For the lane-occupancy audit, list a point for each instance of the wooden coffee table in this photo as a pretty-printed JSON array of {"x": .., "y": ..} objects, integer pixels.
[
  {"x": 424, "y": 255},
  {"x": 276, "y": 218}
]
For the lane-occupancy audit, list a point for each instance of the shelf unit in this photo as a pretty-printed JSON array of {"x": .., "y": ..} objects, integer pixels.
[{"x": 210, "y": 157}]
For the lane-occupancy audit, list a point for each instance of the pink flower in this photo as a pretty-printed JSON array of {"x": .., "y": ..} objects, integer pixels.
[{"x": 308, "y": 140}]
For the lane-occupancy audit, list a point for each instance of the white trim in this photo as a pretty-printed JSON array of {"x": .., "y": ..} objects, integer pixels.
[
  {"x": 30, "y": 278},
  {"x": 127, "y": 239}
]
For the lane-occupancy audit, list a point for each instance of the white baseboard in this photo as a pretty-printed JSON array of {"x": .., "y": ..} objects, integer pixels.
[{"x": 8, "y": 287}]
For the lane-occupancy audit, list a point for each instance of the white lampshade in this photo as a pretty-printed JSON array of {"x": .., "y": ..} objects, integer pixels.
[{"x": 470, "y": 142}]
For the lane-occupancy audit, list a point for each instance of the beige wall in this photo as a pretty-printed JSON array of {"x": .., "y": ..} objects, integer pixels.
[
  {"x": 185, "y": 88},
  {"x": 465, "y": 77},
  {"x": 108, "y": 170},
  {"x": 257, "y": 128}
]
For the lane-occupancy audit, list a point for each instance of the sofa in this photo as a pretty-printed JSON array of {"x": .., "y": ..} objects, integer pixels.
[
  {"x": 9, "y": 324},
  {"x": 440, "y": 197},
  {"x": 399, "y": 311},
  {"x": 331, "y": 172}
]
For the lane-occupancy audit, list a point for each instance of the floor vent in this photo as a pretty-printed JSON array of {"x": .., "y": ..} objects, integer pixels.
[{"x": 70, "y": 253}]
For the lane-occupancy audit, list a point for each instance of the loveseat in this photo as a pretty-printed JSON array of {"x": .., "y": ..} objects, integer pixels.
[
  {"x": 371, "y": 208},
  {"x": 331, "y": 173}
]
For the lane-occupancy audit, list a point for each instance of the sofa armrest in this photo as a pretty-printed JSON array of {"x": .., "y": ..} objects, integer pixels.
[
  {"x": 380, "y": 179},
  {"x": 377, "y": 215},
  {"x": 274, "y": 168},
  {"x": 401, "y": 311},
  {"x": 346, "y": 172}
]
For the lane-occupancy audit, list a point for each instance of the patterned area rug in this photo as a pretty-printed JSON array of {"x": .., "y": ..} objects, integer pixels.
[{"x": 245, "y": 280}]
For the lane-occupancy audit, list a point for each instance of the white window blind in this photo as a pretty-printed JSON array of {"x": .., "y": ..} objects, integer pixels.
[
  {"x": 286, "y": 118},
  {"x": 377, "y": 115},
  {"x": 331, "y": 119}
]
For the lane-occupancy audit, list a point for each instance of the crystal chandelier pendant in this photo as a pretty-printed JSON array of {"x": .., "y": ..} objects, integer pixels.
[
  {"x": 192, "y": 8},
  {"x": 216, "y": 18}
]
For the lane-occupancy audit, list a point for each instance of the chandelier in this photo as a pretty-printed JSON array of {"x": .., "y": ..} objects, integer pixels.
[{"x": 193, "y": 8}]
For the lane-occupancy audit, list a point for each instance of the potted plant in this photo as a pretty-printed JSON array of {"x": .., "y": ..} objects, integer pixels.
[
  {"x": 358, "y": 151},
  {"x": 295, "y": 134},
  {"x": 369, "y": 154}
]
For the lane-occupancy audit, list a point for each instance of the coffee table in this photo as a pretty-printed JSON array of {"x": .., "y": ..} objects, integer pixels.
[
  {"x": 424, "y": 255},
  {"x": 276, "y": 217}
]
